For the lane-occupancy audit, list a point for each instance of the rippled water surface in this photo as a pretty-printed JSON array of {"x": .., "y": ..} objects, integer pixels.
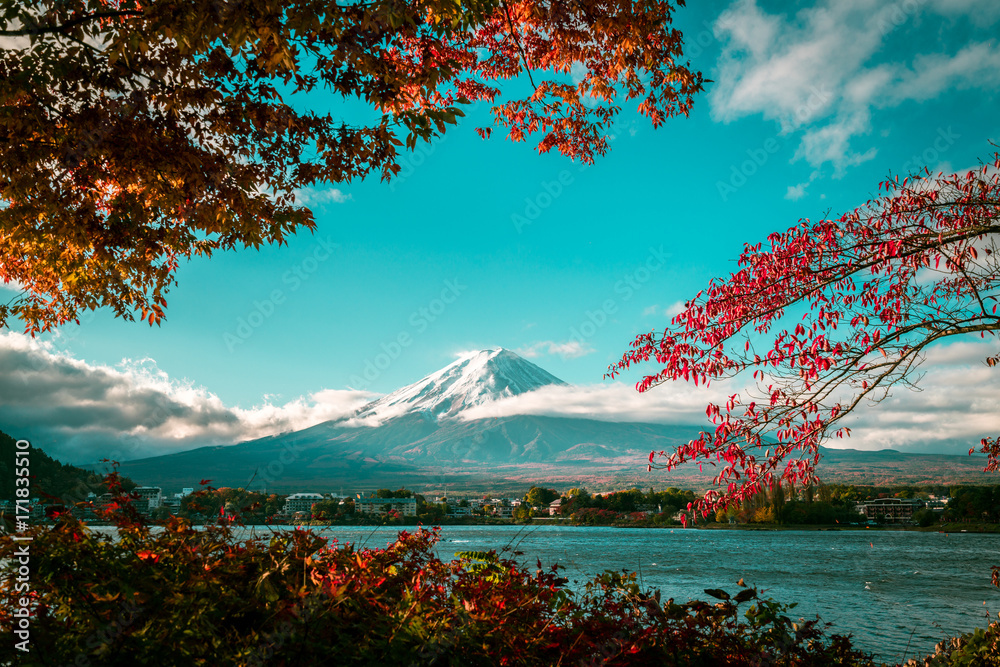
[{"x": 895, "y": 592}]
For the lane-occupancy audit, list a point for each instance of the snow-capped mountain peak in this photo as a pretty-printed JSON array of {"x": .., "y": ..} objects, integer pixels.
[{"x": 472, "y": 379}]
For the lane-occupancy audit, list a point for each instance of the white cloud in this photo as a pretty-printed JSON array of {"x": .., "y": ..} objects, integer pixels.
[
  {"x": 614, "y": 401},
  {"x": 957, "y": 404},
  {"x": 980, "y": 12},
  {"x": 80, "y": 412},
  {"x": 796, "y": 192},
  {"x": 674, "y": 309},
  {"x": 314, "y": 197},
  {"x": 977, "y": 65},
  {"x": 570, "y": 349},
  {"x": 302, "y": 412},
  {"x": 817, "y": 70},
  {"x": 831, "y": 143},
  {"x": 785, "y": 71},
  {"x": 13, "y": 286},
  {"x": 470, "y": 352}
]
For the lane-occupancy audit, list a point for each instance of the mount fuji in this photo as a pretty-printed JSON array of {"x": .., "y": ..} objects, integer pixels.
[
  {"x": 416, "y": 436},
  {"x": 471, "y": 381}
]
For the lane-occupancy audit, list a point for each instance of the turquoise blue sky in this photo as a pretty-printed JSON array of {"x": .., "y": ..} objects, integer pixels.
[{"x": 812, "y": 105}]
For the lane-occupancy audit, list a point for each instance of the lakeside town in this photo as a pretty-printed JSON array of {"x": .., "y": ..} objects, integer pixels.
[
  {"x": 835, "y": 504},
  {"x": 59, "y": 488}
]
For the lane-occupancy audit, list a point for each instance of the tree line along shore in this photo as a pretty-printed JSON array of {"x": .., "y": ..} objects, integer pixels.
[{"x": 950, "y": 508}]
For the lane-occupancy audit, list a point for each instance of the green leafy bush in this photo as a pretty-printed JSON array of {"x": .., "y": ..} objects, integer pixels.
[{"x": 979, "y": 648}]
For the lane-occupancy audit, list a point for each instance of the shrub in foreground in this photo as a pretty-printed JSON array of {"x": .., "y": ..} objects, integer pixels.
[
  {"x": 979, "y": 648},
  {"x": 290, "y": 598}
]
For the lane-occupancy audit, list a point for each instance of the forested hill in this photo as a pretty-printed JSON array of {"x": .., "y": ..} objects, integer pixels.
[{"x": 50, "y": 478}]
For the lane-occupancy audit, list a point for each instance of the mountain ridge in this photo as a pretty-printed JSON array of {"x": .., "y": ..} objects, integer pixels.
[{"x": 415, "y": 436}]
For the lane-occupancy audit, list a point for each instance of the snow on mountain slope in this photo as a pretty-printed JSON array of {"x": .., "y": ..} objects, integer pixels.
[{"x": 473, "y": 379}]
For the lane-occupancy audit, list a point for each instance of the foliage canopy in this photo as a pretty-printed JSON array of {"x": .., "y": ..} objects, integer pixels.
[{"x": 136, "y": 134}]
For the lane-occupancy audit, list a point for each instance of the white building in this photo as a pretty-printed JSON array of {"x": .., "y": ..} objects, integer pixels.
[
  {"x": 890, "y": 510},
  {"x": 172, "y": 504},
  {"x": 150, "y": 497},
  {"x": 301, "y": 502},
  {"x": 369, "y": 504}
]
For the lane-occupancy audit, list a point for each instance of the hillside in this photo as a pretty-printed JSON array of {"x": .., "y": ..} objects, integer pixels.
[{"x": 52, "y": 481}]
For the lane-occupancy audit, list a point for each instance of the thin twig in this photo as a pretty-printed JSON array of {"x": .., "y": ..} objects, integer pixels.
[
  {"x": 62, "y": 29},
  {"x": 517, "y": 41}
]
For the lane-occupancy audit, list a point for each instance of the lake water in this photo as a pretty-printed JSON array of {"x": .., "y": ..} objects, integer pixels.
[{"x": 895, "y": 592}]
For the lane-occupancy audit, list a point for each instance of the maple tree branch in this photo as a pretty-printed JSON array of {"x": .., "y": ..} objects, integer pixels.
[
  {"x": 970, "y": 282},
  {"x": 817, "y": 380},
  {"x": 887, "y": 373},
  {"x": 65, "y": 27},
  {"x": 517, "y": 42},
  {"x": 838, "y": 272}
]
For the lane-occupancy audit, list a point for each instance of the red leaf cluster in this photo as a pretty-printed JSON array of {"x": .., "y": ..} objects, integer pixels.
[{"x": 872, "y": 290}]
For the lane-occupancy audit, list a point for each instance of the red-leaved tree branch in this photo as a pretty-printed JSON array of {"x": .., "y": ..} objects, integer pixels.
[{"x": 878, "y": 286}]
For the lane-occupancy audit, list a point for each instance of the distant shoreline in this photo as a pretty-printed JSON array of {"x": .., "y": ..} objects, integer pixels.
[
  {"x": 411, "y": 522},
  {"x": 972, "y": 528}
]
